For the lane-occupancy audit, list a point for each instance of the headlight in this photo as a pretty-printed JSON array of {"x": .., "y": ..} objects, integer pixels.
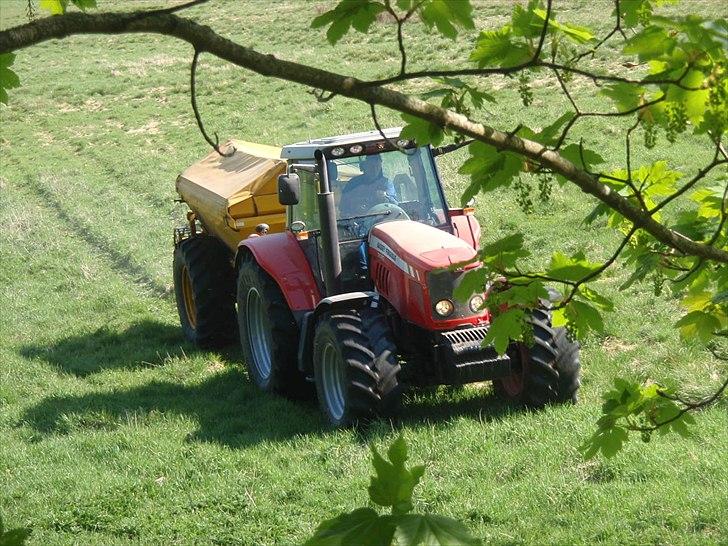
[
  {"x": 444, "y": 308},
  {"x": 336, "y": 152},
  {"x": 476, "y": 303},
  {"x": 356, "y": 149}
]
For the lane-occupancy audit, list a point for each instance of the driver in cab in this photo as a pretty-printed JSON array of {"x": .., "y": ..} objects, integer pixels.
[{"x": 367, "y": 190}]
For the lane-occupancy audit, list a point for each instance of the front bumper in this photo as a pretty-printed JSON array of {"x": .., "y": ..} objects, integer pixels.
[{"x": 463, "y": 358}]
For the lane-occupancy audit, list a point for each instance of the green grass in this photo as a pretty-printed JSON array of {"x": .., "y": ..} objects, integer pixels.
[{"x": 114, "y": 429}]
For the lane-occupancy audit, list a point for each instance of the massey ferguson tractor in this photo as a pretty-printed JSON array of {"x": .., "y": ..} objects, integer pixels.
[{"x": 350, "y": 286}]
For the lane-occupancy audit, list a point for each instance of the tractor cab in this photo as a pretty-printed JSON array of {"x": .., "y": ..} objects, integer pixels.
[{"x": 372, "y": 179}]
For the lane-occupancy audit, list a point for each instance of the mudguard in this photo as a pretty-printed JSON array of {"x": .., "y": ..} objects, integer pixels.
[
  {"x": 280, "y": 255},
  {"x": 332, "y": 303}
]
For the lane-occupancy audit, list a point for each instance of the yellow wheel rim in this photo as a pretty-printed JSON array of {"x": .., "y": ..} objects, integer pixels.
[{"x": 189, "y": 298}]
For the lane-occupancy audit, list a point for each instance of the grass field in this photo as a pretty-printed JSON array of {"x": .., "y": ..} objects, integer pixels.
[{"x": 113, "y": 429}]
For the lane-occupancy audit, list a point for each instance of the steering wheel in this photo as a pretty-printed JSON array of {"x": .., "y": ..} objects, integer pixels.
[
  {"x": 380, "y": 213},
  {"x": 393, "y": 212}
]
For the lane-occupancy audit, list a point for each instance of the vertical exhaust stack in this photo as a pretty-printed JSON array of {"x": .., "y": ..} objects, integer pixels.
[{"x": 329, "y": 231}]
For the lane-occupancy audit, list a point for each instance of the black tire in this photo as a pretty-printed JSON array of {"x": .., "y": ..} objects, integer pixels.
[
  {"x": 356, "y": 343},
  {"x": 268, "y": 333},
  {"x": 549, "y": 369},
  {"x": 204, "y": 287}
]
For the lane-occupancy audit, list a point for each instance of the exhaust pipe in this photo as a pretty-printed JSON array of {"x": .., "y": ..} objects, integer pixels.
[{"x": 329, "y": 231}]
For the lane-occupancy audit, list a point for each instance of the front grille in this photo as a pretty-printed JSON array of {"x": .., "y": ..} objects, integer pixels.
[
  {"x": 467, "y": 335},
  {"x": 465, "y": 358}
]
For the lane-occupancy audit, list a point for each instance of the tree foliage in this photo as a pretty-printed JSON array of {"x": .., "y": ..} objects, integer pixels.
[
  {"x": 672, "y": 225},
  {"x": 392, "y": 487}
]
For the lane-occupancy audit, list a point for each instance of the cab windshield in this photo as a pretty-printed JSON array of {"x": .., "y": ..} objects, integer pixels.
[{"x": 392, "y": 185}]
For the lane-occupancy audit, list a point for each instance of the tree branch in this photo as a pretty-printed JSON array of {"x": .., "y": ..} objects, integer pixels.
[
  {"x": 216, "y": 143},
  {"x": 205, "y": 39}
]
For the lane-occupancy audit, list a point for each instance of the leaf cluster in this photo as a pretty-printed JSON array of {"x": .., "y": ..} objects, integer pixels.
[
  {"x": 630, "y": 406},
  {"x": 391, "y": 487}
]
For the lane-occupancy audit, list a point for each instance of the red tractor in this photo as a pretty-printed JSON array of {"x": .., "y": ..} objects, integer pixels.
[{"x": 352, "y": 288}]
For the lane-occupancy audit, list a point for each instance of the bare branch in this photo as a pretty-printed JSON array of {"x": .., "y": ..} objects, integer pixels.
[
  {"x": 600, "y": 270},
  {"x": 688, "y": 406},
  {"x": 216, "y": 143},
  {"x": 203, "y": 38},
  {"x": 694, "y": 180},
  {"x": 381, "y": 132},
  {"x": 617, "y": 28}
]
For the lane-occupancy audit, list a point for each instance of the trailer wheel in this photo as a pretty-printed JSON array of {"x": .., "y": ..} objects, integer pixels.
[
  {"x": 355, "y": 367},
  {"x": 268, "y": 333},
  {"x": 549, "y": 369},
  {"x": 204, "y": 287}
]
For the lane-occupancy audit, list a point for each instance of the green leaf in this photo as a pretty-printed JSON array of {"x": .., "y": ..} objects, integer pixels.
[
  {"x": 597, "y": 299},
  {"x": 575, "y": 33},
  {"x": 414, "y": 529},
  {"x": 447, "y": 16},
  {"x": 359, "y": 14},
  {"x": 695, "y": 101},
  {"x": 572, "y": 268},
  {"x": 548, "y": 135},
  {"x": 496, "y": 48},
  {"x": 632, "y": 11},
  {"x": 394, "y": 483},
  {"x": 362, "y": 527},
  {"x": 583, "y": 158},
  {"x": 8, "y": 78},
  {"x": 421, "y": 131},
  {"x": 698, "y": 324},
  {"x": 710, "y": 200},
  {"x": 503, "y": 253},
  {"x": 504, "y": 328},
  {"x": 473, "y": 281},
  {"x": 650, "y": 43},
  {"x": 583, "y": 318},
  {"x": 56, "y": 7},
  {"x": 625, "y": 96},
  {"x": 488, "y": 169},
  {"x": 525, "y": 22}
]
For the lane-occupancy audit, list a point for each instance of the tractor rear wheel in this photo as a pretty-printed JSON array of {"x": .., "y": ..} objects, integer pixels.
[
  {"x": 355, "y": 366},
  {"x": 549, "y": 370},
  {"x": 268, "y": 333},
  {"x": 204, "y": 287}
]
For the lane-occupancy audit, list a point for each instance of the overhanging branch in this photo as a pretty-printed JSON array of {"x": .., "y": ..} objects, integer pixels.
[{"x": 202, "y": 38}]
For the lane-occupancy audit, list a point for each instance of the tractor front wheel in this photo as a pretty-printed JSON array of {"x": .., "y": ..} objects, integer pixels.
[
  {"x": 549, "y": 369},
  {"x": 268, "y": 333},
  {"x": 204, "y": 287},
  {"x": 355, "y": 366}
]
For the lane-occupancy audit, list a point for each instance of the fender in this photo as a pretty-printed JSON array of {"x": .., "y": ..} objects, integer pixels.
[
  {"x": 280, "y": 255},
  {"x": 466, "y": 226},
  {"x": 308, "y": 323}
]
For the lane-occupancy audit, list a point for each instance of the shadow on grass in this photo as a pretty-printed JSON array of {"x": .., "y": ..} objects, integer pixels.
[
  {"x": 146, "y": 343},
  {"x": 226, "y": 408}
]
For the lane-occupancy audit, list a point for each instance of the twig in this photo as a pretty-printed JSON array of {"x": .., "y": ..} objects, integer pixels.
[
  {"x": 689, "y": 406},
  {"x": 699, "y": 176},
  {"x": 216, "y": 142},
  {"x": 617, "y": 28},
  {"x": 599, "y": 271},
  {"x": 385, "y": 137},
  {"x": 630, "y": 183}
]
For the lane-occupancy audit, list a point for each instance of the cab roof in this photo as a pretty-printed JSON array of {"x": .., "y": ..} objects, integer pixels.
[{"x": 305, "y": 150}]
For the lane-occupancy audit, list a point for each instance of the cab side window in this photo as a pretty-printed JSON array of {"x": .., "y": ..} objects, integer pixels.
[{"x": 306, "y": 210}]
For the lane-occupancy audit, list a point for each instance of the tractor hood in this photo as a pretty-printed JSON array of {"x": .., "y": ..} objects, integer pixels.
[{"x": 424, "y": 247}]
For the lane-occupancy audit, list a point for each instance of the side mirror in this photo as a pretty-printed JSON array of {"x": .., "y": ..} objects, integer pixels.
[{"x": 289, "y": 189}]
